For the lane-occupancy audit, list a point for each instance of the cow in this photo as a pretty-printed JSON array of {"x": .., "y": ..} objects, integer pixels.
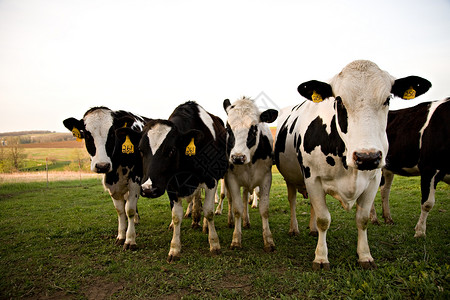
[
  {"x": 418, "y": 146},
  {"x": 119, "y": 161},
  {"x": 180, "y": 155},
  {"x": 335, "y": 143},
  {"x": 250, "y": 157}
]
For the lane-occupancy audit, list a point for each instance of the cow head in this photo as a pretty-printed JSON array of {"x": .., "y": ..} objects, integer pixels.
[
  {"x": 97, "y": 128},
  {"x": 243, "y": 129},
  {"x": 163, "y": 148},
  {"x": 361, "y": 94}
]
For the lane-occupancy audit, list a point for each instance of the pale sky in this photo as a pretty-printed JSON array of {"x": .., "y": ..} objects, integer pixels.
[{"x": 58, "y": 58}]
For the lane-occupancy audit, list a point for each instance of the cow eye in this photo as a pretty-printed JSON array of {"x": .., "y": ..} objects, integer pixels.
[{"x": 387, "y": 101}]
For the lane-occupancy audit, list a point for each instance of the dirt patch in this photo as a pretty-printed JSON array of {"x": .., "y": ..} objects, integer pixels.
[
  {"x": 62, "y": 144},
  {"x": 42, "y": 176},
  {"x": 99, "y": 289}
]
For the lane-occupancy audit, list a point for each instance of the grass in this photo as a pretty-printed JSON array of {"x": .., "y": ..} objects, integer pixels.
[
  {"x": 58, "y": 242},
  {"x": 59, "y": 159}
]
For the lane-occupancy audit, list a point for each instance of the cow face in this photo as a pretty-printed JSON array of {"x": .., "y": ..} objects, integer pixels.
[
  {"x": 243, "y": 129},
  {"x": 361, "y": 94},
  {"x": 98, "y": 130},
  {"x": 162, "y": 147}
]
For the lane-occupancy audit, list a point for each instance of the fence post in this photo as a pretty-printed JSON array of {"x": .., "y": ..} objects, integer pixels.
[{"x": 46, "y": 168}]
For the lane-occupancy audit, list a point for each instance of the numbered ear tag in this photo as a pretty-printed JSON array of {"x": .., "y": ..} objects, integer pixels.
[
  {"x": 190, "y": 149},
  {"x": 127, "y": 146},
  {"x": 76, "y": 133},
  {"x": 409, "y": 94},
  {"x": 316, "y": 98}
]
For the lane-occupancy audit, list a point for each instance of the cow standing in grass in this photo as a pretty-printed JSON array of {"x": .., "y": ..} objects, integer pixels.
[
  {"x": 250, "y": 155},
  {"x": 419, "y": 145},
  {"x": 117, "y": 158},
  {"x": 181, "y": 155},
  {"x": 336, "y": 144}
]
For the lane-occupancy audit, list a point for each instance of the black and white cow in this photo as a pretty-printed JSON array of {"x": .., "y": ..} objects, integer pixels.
[
  {"x": 118, "y": 158},
  {"x": 338, "y": 145},
  {"x": 181, "y": 154},
  {"x": 419, "y": 145},
  {"x": 250, "y": 155}
]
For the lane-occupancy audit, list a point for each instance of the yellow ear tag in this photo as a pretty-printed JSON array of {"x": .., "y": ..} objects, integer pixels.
[
  {"x": 127, "y": 146},
  {"x": 76, "y": 133},
  {"x": 190, "y": 149},
  {"x": 316, "y": 98},
  {"x": 409, "y": 94}
]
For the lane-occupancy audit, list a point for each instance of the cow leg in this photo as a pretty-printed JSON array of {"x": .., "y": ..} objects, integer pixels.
[
  {"x": 130, "y": 208},
  {"x": 246, "y": 216},
  {"x": 323, "y": 220},
  {"x": 428, "y": 182},
  {"x": 292, "y": 197},
  {"x": 208, "y": 212},
  {"x": 269, "y": 245},
  {"x": 363, "y": 206},
  {"x": 196, "y": 208},
  {"x": 385, "y": 190},
  {"x": 119, "y": 204},
  {"x": 175, "y": 244},
  {"x": 230, "y": 210},
  {"x": 234, "y": 196},
  {"x": 219, "y": 208},
  {"x": 312, "y": 223}
]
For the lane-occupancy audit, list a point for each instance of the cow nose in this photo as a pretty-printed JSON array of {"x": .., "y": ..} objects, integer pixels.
[
  {"x": 238, "y": 159},
  {"x": 367, "y": 160},
  {"x": 152, "y": 192},
  {"x": 102, "y": 167}
]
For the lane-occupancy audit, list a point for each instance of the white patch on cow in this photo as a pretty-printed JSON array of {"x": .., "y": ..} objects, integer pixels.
[
  {"x": 138, "y": 125},
  {"x": 98, "y": 123},
  {"x": 156, "y": 135},
  {"x": 147, "y": 185},
  {"x": 431, "y": 111},
  {"x": 207, "y": 120}
]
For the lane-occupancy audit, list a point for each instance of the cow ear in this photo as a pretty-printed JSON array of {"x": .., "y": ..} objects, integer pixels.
[
  {"x": 124, "y": 122},
  {"x": 128, "y": 139},
  {"x": 315, "y": 90},
  {"x": 226, "y": 104},
  {"x": 268, "y": 116},
  {"x": 76, "y": 127},
  {"x": 188, "y": 141},
  {"x": 410, "y": 87}
]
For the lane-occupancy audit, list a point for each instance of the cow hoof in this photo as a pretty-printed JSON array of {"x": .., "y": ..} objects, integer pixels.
[
  {"x": 375, "y": 222},
  {"x": 269, "y": 248},
  {"x": 120, "y": 242},
  {"x": 320, "y": 266},
  {"x": 235, "y": 247},
  {"x": 419, "y": 235},
  {"x": 389, "y": 221},
  {"x": 246, "y": 226},
  {"x": 172, "y": 258},
  {"x": 293, "y": 232},
  {"x": 368, "y": 265},
  {"x": 230, "y": 225},
  {"x": 132, "y": 247},
  {"x": 216, "y": 252},
  {"x": 195, "y": 225},
  {"x": 314, "y": 233},
  {"x": 218, "y": 213}
]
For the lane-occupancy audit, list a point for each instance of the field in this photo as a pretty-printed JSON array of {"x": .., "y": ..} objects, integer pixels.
[{"x": 58, "y": 243}]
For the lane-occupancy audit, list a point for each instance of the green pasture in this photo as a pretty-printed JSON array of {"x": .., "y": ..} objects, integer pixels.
[
  {"x": 58, "y": 243},
  {"x": 58, "y": 159}
]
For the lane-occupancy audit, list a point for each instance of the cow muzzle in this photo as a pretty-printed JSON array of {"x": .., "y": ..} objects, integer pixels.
[
  {"x": 239, "y": 159},
  {"x": 152, "y": 192},
  {"x": 367, "y": 160},
  {"x": 102, "y": 167}
]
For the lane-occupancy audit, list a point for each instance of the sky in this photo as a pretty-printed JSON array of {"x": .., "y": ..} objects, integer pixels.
[{"x": 58, "y": 58}]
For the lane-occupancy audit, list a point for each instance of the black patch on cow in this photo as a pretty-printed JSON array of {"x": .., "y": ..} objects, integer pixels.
[
  {"x": 330, "y": 161},
  {"x": 293, "y": 125},
  {"x": 280, "y": 143},
  {"x": 264, "y": 149},
  {"x": 251, "y": 136},
  {"x": 90, "y": 145},
  {"x": 110, "y": 141},
  {"x": 295, "y": 140},
  {"x": 230, "y": 140},
  {"x": 342, "y": 115},
  {"x": 382, "y": 181},
  {"x": 344, "y": 162},
  {"x": 316, "y": 135},
  {"x": 307, "y": 172}
]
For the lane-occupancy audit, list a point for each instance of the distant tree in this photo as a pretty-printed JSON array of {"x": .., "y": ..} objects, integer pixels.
[{"x": 16, "y": 154}]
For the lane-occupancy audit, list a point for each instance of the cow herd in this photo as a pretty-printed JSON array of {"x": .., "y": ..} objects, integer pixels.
[{"x": 341, "y": 140}]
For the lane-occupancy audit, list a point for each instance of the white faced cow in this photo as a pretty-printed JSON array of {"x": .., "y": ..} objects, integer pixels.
[
  {"x": 418, "y": 145},
  {"x": 118, "y": 158},
  {"x": 249, "y": 149},
  {"x": 181, "y": 154},
  {"x": 338, "y": 145}
]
